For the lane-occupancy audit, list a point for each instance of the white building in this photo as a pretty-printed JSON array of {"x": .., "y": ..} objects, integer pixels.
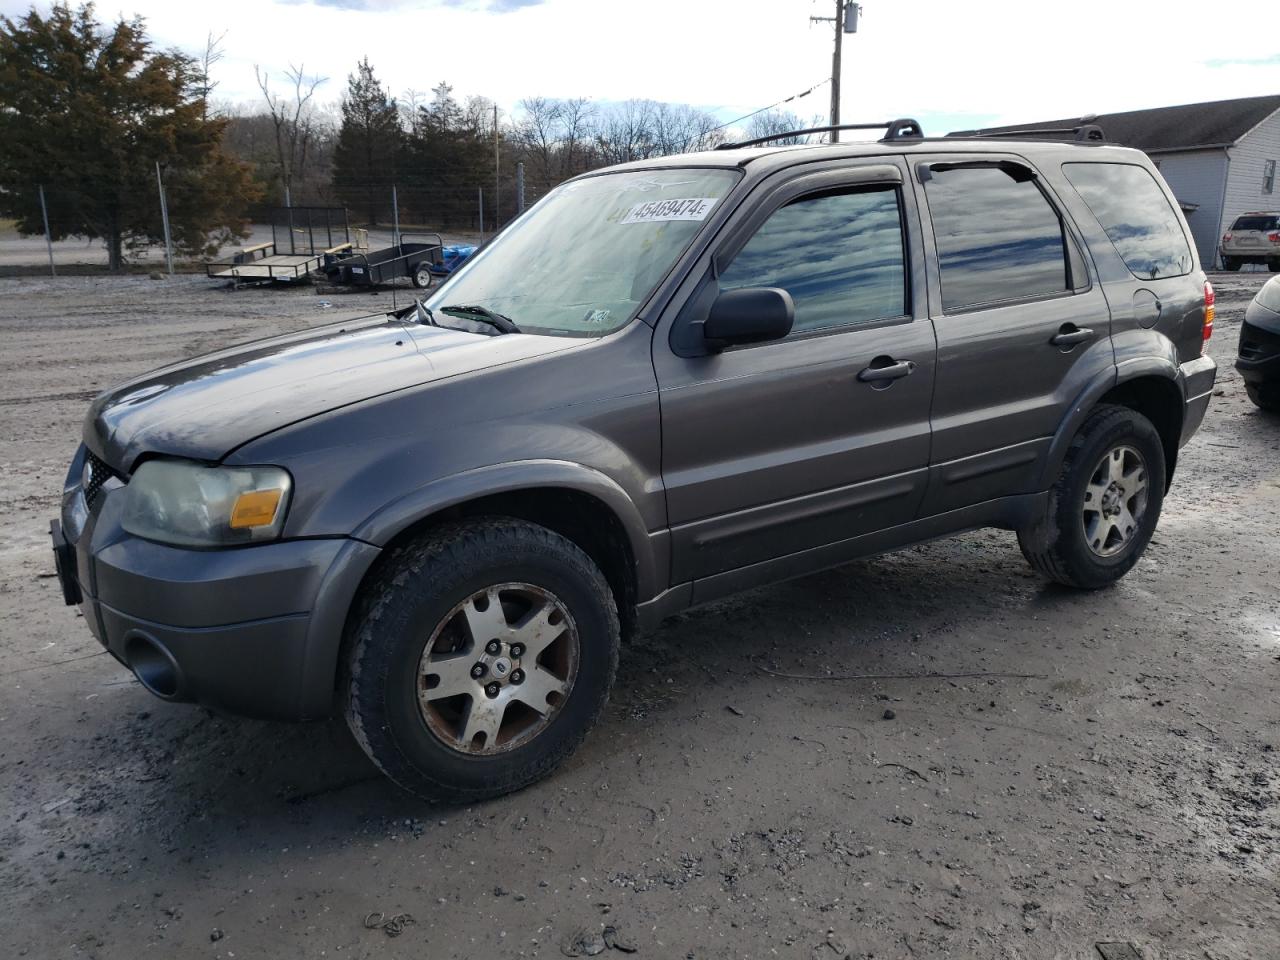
[{"x": 1220, "y": 158}]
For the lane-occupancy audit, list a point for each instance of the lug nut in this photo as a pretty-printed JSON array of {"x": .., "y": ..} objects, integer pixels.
[
  {"x": 517, "y": 649},
  {"x": 492, "y": 689},
  {"x": 478, "y": 670},
  {"x": 494, "y": 647},
  {"x": 517, "y": 676}
]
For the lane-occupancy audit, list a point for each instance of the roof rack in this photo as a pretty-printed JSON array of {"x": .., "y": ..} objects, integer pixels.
[
  {"x": 1089, "y": 132},
  {"x": 904, "y": 128}
]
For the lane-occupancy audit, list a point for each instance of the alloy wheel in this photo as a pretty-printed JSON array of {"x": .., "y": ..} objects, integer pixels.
[{"x": 1115, "y": 501}]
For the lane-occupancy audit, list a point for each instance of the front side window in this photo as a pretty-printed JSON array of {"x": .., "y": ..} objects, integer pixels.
[
  {"x": 839, "y": 254},
  {"x": 1136, "y": 215},
  {"x": 998, "y": 238},
  {"x": 583, "y": 260}
]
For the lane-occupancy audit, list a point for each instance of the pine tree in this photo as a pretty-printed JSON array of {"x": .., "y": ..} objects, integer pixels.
[
  {"x": 368, "y": 148},
  {"x": 88, "y": 112}
]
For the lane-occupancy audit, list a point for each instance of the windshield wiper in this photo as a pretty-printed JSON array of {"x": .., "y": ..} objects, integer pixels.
[{"x": 483, "y": 314}]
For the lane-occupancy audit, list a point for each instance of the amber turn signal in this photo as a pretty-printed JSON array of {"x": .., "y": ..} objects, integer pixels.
[{"x": 255, "y": 508}]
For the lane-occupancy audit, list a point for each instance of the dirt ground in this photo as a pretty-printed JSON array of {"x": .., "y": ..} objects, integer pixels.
[{"x": 1125, "y": 790}]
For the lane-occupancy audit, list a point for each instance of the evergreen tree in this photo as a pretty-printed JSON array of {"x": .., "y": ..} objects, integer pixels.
[
  {"x": 368, "y": 148},
  {"x": 88, "y": 112}
]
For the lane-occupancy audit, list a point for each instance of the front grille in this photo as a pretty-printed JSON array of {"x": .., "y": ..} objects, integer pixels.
[
  {"x": 98, "y": 474},
  {"x": 1257, "y": 344}
]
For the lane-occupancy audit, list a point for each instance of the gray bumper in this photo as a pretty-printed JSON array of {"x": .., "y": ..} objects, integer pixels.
[
  {"x": 252, "y": 630},
  {"x": 1198, "y": 376}
]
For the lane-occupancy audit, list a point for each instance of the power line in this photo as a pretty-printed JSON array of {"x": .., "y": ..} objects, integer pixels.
[{"x": 748, "y": 116}]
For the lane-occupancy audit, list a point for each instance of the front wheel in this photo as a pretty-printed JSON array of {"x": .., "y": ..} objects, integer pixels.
[
  {"x": 1265, "y": 396},
  {"x": 1106, "y": 502},
  {"x": 479, "y": 657}
]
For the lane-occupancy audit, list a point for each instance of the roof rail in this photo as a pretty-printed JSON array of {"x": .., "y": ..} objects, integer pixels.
[
  {"x": 904, "y": 128},
  {"x": 1089, "y": 132}
]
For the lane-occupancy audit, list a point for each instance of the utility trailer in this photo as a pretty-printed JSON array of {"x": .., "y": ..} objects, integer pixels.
[
  {"x": 302, "y": 238},
  {"x": 418, "y": 256}
]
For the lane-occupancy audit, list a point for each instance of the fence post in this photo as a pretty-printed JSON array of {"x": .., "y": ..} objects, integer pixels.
[
  {"x": 48, "y": 238},
  {"x": 395, "y": 215},
  {"x": 520, "y": 188},
  {"x": 481, "y": 192},
  {"x": 164, "y": 216}
]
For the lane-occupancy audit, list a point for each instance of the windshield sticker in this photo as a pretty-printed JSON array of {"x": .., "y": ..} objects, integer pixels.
[
  {"x": 653, "y": 211},
  {"x": 596, "y": 316}
]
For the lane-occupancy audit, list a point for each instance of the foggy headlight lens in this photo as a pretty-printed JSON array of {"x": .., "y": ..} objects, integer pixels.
[{"x": 190, "y": 504}]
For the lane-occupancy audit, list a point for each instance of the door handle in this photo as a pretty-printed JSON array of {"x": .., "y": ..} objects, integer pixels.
[
  {"x": 1069, "y": 335},
  {"x": 885, "y": 369}
]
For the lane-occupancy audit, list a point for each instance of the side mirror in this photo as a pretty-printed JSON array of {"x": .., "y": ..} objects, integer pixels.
[{"x": 749, "y": 315}]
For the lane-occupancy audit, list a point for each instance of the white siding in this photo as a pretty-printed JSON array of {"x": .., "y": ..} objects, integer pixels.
[
  {"x": 1244, "y": 183},
  {"x": 1198, "y": 176}
]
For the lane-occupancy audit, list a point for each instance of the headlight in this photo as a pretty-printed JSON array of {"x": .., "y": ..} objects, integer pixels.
[{"x": 190, "y": 504}]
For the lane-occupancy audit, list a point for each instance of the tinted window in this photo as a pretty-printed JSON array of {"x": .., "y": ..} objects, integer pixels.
[
  {"x": 998, "y": 238},
  {"x": 839, "y": 255},
  {"x": 1256, "y": 223},
  {"x": 1136, "y": 215}
]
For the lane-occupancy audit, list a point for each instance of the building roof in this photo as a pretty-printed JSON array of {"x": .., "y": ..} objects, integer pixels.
[{"x": 1218, "y": 123}]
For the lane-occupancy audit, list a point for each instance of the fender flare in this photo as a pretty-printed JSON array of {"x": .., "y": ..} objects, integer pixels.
[
  {"x": 1088, "y": 398},
  {"x": 385, "y": 523}
]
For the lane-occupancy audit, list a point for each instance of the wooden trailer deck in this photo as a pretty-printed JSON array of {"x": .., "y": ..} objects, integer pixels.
[{"x": 256, "y": 263}]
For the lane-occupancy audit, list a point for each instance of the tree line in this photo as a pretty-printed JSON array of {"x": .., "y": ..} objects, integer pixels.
[{"x": 89, "y": 111}]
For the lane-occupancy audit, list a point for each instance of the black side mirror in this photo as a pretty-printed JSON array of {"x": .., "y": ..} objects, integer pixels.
[{"x": 749, "y": 315}]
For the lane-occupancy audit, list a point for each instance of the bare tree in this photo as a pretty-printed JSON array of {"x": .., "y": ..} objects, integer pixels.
[
  {"x": 294, "y": 123},
  {"x": 212, "y": 55},
  {"x": 772, "y": 122}
]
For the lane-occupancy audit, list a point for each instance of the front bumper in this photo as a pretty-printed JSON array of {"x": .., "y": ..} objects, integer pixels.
[
  {"x": 253, "y": 630},
  {"x": 1258, "y": 358},
  {"x": 1198, "y": 376}
]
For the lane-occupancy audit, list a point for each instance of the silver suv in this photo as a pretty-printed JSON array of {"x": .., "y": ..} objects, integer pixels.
[{"x": 1253, "y": 238}]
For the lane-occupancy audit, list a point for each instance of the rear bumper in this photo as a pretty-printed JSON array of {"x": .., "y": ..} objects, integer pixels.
[
  {"x": 1198, "y": 376},
  {"x": 253, "y": 630}
]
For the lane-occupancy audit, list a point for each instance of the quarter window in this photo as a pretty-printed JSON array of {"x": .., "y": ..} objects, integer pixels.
[
  {"x": 839, "y": 255},
  {"x": 1136, "y": 215},
  {"x": 998, "y": 238}
]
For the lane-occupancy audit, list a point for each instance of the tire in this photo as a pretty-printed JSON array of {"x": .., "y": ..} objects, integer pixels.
[
  {"x": 1273, "y": 266},
  {"x": 429, "y": 592},
  {"x": 1089, "y": 543},
  {"x": 1265, "y": 396},
  {"x": 421, "y": 276},
  {"x": 1231, "y": 263}
]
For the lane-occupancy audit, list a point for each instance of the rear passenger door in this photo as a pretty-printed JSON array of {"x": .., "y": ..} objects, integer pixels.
[
  {"x": 773, "y": 448},
  {"x": 1021, "y": 325}
]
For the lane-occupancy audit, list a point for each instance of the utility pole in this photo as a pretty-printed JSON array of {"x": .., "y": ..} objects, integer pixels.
[
  {"x": 48, "y": 238},
  {"x": 497, "y": 183},
  {"x": 846, "y": 21},
  {"x": 164, "y": 217}
]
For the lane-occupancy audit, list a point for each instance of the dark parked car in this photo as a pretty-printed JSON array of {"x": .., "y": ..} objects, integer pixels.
[
  {"x": 1259, "y": 351},
  {"x": 666, "y": 382}
]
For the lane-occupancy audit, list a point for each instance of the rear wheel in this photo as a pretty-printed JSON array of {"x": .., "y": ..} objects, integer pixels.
[
  {"x": 1265, "y": 396},
  {"x": 421, "y": 276},
  {"x": 1274, "y": 265},
  {"x": 1105, "y": 504},
  {"x": 1231, "y": 263},
  {"x": 480, "y": 656}
]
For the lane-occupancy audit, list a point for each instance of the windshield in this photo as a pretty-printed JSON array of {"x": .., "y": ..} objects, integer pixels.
[{"x": 582, "y": 261}]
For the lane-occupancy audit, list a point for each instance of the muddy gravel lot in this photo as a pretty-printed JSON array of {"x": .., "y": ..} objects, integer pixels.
[{"x": 1124, "y": 789}]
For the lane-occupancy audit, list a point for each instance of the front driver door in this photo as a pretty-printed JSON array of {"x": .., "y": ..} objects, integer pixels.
[{"x": 774, "y": 448}]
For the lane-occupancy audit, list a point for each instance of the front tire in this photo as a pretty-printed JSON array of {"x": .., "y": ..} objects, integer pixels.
[
  {"x": 478, "y": 658},
  {"x": 1105, "y": 504},
  {"x": 1265, "y": 396}
]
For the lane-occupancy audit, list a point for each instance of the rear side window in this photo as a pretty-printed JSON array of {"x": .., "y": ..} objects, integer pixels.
[
  {"x": 1256, "y": 223},
  {"x": 997, "y": 235},
  {"x": 1136, "y": 215},
  {"x": 839, "y": 255}
]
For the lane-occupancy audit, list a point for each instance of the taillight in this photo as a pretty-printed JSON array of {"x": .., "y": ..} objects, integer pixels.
[
  {"x": 1226, "y": 238},
  {"x": 1208, "y": 313},
  {"x": 1274, "y": 237}
]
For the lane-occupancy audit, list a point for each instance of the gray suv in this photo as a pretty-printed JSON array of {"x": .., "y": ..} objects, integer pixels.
[{"x": 666, "y": 382}]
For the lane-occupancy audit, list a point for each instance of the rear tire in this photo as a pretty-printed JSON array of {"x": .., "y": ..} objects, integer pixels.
[
  {"x": 1105, "y": 504},
  {"x": 1273, "y": 266},
  {"x": 1231, "y": 263},
  {"x": 421, "y": 619},
  {"x": 1265, "y": 396}
]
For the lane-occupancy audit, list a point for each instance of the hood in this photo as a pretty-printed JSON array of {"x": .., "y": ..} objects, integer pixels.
[{"x": 206, "y": 407}]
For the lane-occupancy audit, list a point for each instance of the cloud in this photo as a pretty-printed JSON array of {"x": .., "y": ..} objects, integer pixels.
[{"x": 1271, "y": 61}]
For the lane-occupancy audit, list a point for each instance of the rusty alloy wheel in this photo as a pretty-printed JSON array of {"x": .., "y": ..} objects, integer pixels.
[{"x": 498, "y": 668}]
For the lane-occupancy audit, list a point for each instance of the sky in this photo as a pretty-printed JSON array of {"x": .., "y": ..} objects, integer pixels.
[{"x": 948, "y": 63}]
